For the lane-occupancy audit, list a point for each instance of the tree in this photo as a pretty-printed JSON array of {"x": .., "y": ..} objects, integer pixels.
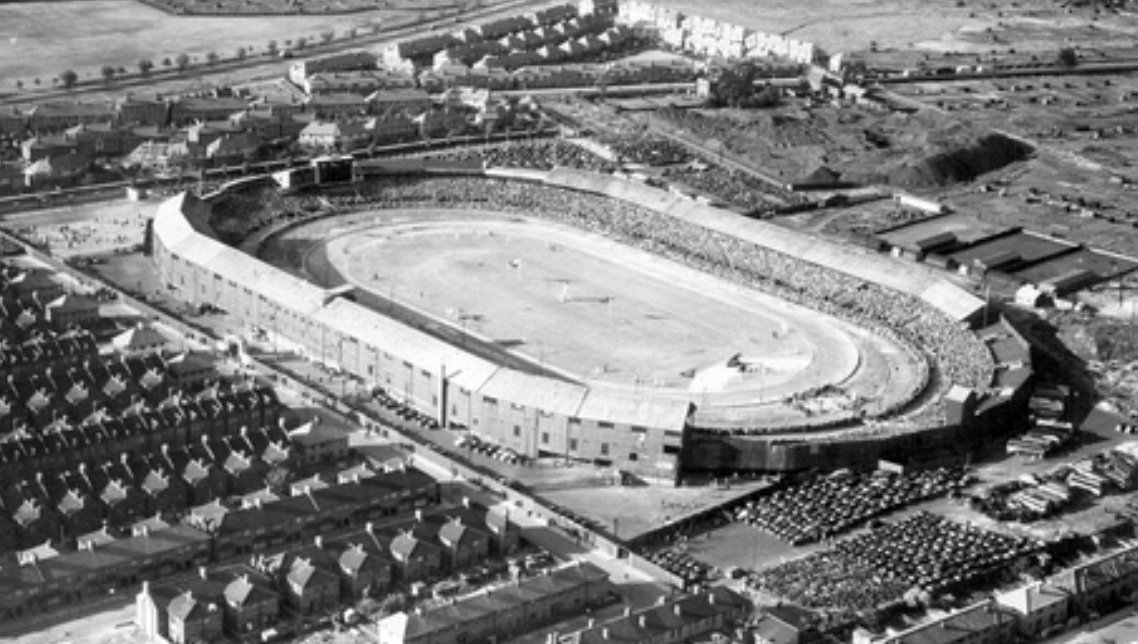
[
  {"x": 301, "y": 43},
  {"x": 769, "y": 96},
  {"x": 327, "y": 36},
  {"x": 19, "y": 84},
  {"x": 272, "y": 47},
  {"x": 212, "y": 58},
  {"x": 166, "y": 62},
  {"x": 108, "y": 73},
  {"x": 144, "y": 66},
  {"x": 1068, "y": 57},
  {"x": 393, "y": 603},
  {"x": 242, "y": 53},
  {"x": 69, "y": 78},
  {"x": 183, "y": 61}
]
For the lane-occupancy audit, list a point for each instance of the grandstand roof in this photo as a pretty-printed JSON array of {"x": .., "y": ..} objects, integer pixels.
[
  {"x": 946, "y": 297},
  {"x": 553, "y": 396},
  {"x": 644, "y": 411},
  {"x": 465, "y": 369}
]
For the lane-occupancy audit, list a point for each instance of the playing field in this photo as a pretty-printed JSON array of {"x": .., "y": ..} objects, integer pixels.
[
  {"x": 592, "y": 309},
  {"x": 42, "y": 39}
]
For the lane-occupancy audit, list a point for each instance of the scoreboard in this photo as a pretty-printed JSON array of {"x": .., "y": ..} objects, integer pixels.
[{"x": 329, "y": 169}]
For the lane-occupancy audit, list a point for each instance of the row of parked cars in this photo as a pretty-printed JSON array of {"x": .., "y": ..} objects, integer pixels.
[
  {"x": 488, "y": 449},
  {"x": 405, "y": 411}
]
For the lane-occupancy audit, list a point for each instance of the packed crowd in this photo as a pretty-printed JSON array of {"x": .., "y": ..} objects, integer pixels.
[
  {"x": 544, "y": 154},
  {"x": 961, "y": 358},
  {"x": 832, "y": 505},
  {"x": 925, "y": 551},
  {"x": 649, "y": 150},
  {"x": 740, "y": 189}
]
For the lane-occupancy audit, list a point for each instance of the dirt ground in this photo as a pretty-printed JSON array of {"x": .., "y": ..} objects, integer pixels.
[
  {"x": 744, "y": 546},
  {"x": 504, "y": 283},
  {"x": 840, "y": 25},
  {"x": 89, "y": 229},
  {"x": 108, "y": 622},
  {"x": 630, "y": 511},
  {"x": 527, "y": 282},
  {"x": 238, "y": 8},
  {"x": 906, "y": 32}
]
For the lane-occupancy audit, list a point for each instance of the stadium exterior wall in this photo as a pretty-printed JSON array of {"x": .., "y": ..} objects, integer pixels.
[
  {"x": 568, "y": 419},
  {"x": 528, "y": 413}
]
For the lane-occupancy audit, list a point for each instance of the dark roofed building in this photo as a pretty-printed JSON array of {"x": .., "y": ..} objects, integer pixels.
[
  {"x": 416, "y": 559},
  {"x": 309, "y": 588},
  {"x": 786, "y": 624},
  {"x": 192, "y": 620},
  {"x": 465, "y": 545},
  {"x": 670, "y": 622},
  {"x": 982, "y": 622},
  {"x": 502, "y": 612}
]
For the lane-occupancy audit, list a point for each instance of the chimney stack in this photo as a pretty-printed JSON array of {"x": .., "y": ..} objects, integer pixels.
[
  {"x": 643, "y": 621},
  {"x": 627, "y": 611},
  {"x": 203, "y": 573},
  {"x": 604, "y": 633},
  {"x": 419, "y": 516},
  {"x": 677, "y": 610}
]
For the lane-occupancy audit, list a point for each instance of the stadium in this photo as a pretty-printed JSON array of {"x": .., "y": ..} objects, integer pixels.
[{"x": 589, "y": 316}]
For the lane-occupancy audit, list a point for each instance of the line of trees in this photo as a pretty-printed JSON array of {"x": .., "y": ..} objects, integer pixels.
[{"x": 183, "y": 61}]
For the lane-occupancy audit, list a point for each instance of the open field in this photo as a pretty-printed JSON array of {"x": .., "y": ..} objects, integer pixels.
[
  {"x": 243, "y": 7},
  {"x": 840, "y": 25},
  {"x": 497, "y": 283},
  {"x": 633, "y": 511},
  {"x": 744, "y": 546},
  {"x": 636, "y": 320},
  {"x": 905, "y": 32},
  {"x": 40, "y": 39}
]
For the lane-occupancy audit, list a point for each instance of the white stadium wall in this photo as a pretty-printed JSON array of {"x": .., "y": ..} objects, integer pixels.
[{"x": 526, "y": 412}]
